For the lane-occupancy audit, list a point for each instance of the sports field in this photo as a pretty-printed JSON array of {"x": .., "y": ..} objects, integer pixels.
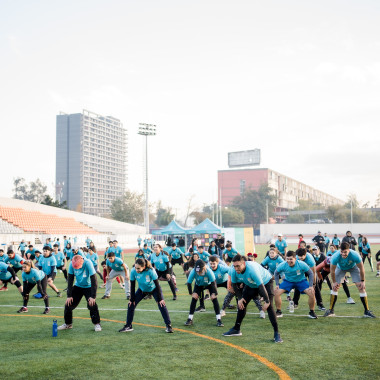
[{"x": 342, "y": 347}]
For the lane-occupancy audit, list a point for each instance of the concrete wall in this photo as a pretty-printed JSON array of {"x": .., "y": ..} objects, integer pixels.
[{"x": 268, "y": 232}]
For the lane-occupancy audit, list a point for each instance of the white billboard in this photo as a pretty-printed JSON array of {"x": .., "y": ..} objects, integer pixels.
[{"x": 244, "y": 158}]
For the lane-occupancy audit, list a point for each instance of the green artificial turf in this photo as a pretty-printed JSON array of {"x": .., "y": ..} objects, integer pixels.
[{"x": 326, "y": 348}]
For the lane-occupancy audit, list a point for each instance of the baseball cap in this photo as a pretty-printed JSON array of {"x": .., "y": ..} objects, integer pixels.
[
  {"x": 199, "y": 265},
  {"x": 280, "y": 234}
]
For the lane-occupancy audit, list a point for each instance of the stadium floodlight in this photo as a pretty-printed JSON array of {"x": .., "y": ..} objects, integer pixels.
[{"x": 146, "y": 130}]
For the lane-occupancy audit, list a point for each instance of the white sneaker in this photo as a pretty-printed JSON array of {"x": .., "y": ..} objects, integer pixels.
[
  {"x": 65, "y": 327},
  {"x": 98, "y": 327},
  {"x": 262, "y": 314},
  {"x": 222, "y": 313},
  {"x": 350, "y": 300}
]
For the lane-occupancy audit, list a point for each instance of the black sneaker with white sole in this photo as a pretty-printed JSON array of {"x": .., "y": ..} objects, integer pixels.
[
  {"x": 219, "y": 323},
  {"x": 232, "y": 332},
  {"x": 369, "y": 314},
  {"x": 126, "y": 329},
  {"x": 189, "y": 322},
  {"x": 312, "y": 314},
  {"x": 46, "y": 311},
  {"x": 169, "y": 329},
  {"x": 277, "y": 338},
  {"x": 200, "y": 309},
  {"x": 279, "y": 314}
]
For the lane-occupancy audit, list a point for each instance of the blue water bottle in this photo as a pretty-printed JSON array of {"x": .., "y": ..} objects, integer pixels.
[{"x": 55, "y": 328}]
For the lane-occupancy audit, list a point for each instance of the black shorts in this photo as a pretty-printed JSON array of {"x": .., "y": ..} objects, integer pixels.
[
  {"x": 199, "y": 289},
  {"x": 253, "y": 293},
  {"x": 228, "y": 259},
  {"x": 60, "y": 267},
  {"x": 222, "y": 285},
  {"x": 52, "y": 276},
  {"x": 163, "y": 273},
  {"x": 16, "y": 269},
  {"x": 177, "y": 261}
]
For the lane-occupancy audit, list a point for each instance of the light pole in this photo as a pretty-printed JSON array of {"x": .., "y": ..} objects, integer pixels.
[{"x": 146, "y": 130}]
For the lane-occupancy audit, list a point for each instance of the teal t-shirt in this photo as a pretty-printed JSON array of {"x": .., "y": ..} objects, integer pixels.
[
  {"x": 281, "y": 245},
  {"x": 295, "y": 273},
  {"x": 117, "y": 265},
  {"x": 175, "y": 254},
  {"x": 59, "y": 257},
  {"x": 272, "y": 263},
  {"x": 365, "y": 248},
  {"x": 143, "y": 256},
  {"x": 145, "y": 279},
  {"x": 118, "y": 252},
  {"x": 93, "y": 258},
  {"x": 221, "y": 273},
  {"x": 33, "y": 276},
  {"x": 46, "y": 263},
  {"x": 69, "y": 253},
  {"x": 3, "y": 258},
  {"x": 309, "y": 260},
  {"x": 30, "y": 252},
  {"x": 204, "y": 256},
  {"x": 214, "y": 251},
  {"x": 83, "y": 275},
  {"x": 160, "y": 261},
  {"x": 22, "y": 246},
  {"x": 201, "y": 280},
  {"x": 4, "y": 274},
  {"x": 16, "y": 261},
  {"x": 349, "y": 262},
  {"x": 231, "y": 253},
  {"x": 147, "y": 251},
  {"x": 253, "y": 276}
]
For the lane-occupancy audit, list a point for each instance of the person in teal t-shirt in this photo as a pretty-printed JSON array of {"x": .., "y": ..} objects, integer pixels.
[
  {"x": 281, "y": 245},
  {"x": 118, "y": 250},
  {"x": 7, "y": 274},
  {"x": 365, "y": 250},
  {"x": 294, "y": 271},
  {"x": 139, "y": 240},
  {"x": 229, "y": 253},
  {"x": 31, "y": 276},
  {"x": 141, "y": 255},
  {"x": 30, "y": 254},
  {"x": 116, "y": 267},
  {"x": 148, "y": 285},
  {"x": 15, "y": 260},
  {"x": 60, "y": 259},
  {"x": 48, "y": 264},
  {"x": 257, "y": 282},
  {"x": 85, "y": 285},
  {"x": 94, "y": 258},
  {"x": 343, "y": 261},
  {"x": 272, "y": 261},
  {"x": 176, "y": 255},
  {"x": 203, "y": 255},
  {"x": 160, "y": 261},
  {"x": 204, "y": 279}
]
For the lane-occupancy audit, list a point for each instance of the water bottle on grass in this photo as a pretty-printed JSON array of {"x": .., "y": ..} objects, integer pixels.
[
  {"x": 291, "y": 306},
  {"x": 55, "y": 328}
]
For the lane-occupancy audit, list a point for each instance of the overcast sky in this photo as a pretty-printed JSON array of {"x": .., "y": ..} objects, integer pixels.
[{"x": 298, "y": 79}]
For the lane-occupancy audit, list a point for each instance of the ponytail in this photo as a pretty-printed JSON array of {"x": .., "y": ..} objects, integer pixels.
[{"x": 144, "y": 263}]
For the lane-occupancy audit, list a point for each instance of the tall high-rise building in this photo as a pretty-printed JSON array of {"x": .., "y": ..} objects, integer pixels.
[{"x": 91, "y": 160}]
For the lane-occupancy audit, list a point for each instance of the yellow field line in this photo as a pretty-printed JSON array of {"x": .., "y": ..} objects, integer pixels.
[{"x": 280, "y": 372}]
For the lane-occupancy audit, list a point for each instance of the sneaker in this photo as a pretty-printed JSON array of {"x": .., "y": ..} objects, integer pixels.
[
  {"x": 46, "y": 311},
  {"x": 64, "y": 290},
  {"x": 126, "y": 329},
  {"x": 176, "y": 289},
  {"x": 59, "y": 294},
  {"x": 102, "y": 286},
  {"x": 175, "y": 297},
  {"x": 201, "y": 309},
  {"x": 105, "y": 297},
  {"x": 277, "y": 338},
  {"x": 222, "y": 313},
  {"x": 295, "y": 306},
  {"x": 350, "y": 301},
  {"x": 279, "y": 314},
  {"x": 207, "y": 297},
  {"x": 128, "y": 297},
  {"x": 219, "y": 323},
  {"x": 312, "y": 314},
  {"x": 329, "y": 313},
  {"x": 262, "y": 314},
  {"x": 321, "y": 307},
  {"x": 377, "y": 275},
  {"x": 65, "y": 327},
  {"x": 3, "y": 289},
  {"x": 231, "y": 307},
  {"x": 169, "y": 329},
  {"x": 37, "y": 295},
  {"x": 23, "y": 310},
  {"x": 189, "y": 322},
  {"x": 232, "y": 332},
  {"x": 98, "y": 327},
  {"x": 369, "y": 314}
]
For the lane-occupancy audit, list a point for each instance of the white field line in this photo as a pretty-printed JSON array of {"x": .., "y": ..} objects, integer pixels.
[{"x": 176, "y": 311}]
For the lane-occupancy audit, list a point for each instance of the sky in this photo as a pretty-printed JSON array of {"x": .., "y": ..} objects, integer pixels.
[{"x": 299, "y": 80}]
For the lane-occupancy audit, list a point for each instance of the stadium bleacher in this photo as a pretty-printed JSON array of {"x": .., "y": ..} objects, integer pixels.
[
  {"x": 35, "y": 221},
  {"x": 8, "y": 228}
]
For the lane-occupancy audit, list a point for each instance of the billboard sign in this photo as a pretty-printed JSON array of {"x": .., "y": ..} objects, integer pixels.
[{"x": 244, "y": 158}]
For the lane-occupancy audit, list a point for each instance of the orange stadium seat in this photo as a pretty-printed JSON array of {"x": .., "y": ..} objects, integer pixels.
[{"x": 34, "y": 221}]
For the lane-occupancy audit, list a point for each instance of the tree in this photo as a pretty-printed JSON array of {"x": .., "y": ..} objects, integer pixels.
[
  {"x": 231, "y": 216},
  {"x": 48, "y": 200},
  {"x": 164, "y": 215},
  {"x": 305, "y": 205},
  {"x": 254, "y": 204},
  {"x": 32, "y": 192},
  {"x": 352, "y": 199},
  {"x": 128, "y": 208},
  {"x": 294, "y": 218},
  {"x": 199, "y": 216},
  {"x": 188, "y": 212}
]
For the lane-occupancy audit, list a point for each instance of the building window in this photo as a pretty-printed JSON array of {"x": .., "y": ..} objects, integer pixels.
[{"x": 242, "y": 186}]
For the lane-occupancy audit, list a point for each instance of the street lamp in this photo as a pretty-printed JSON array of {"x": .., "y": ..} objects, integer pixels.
[{"x": 146, "y": 130}]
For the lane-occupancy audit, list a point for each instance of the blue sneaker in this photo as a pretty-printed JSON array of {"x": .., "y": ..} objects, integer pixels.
[
  {"x": 37, "y": 295},
  {"x": 277, "y": 338}
]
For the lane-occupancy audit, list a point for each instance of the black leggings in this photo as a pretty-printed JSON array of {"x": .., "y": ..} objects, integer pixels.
[
  {"x": 171, "y": 283},
  {"x": 29, "y": 286},
  {"x": 77, "y": 295},
  {"x": 64, "y": 271},
  {"x": 253, "y": 293},
  {"x": 138, "y": 297}
]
